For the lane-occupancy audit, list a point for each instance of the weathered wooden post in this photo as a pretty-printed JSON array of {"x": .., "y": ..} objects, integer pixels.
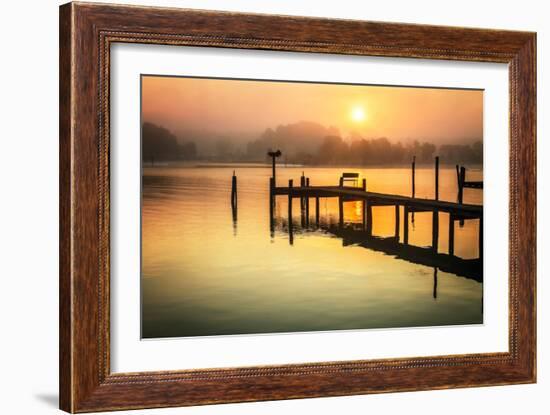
[
  {"x": 413, "y": 191},
  {"x": 437, "y": 178},
  {"x": 364, "y": 186},
  {"x": 302, "y": 199},
  {"x": 451, "y": 234},
  {"x": 271, "y": 203},
  {"x": 234, "y": 190},
  {"x": 290, "y": 230},
  {"x": 341, "y": 184},
  {"x": 369, "y": 219},
  {"x": 290, "y": 182},
  {"x": 397, "y": 222},
  {"x": 461, "y": 190},
  {"x": 406, "y": 225},
  {"x": 307, "y": 203},
  {"x": 273, "y": 155},
  {"x": 435, "y": 230},
  {"x": 435, "y": 213},
  {"x": 317, "y": 211},
  {"x": 461, "y": 180},
  {"x": 234, "y": 215}
]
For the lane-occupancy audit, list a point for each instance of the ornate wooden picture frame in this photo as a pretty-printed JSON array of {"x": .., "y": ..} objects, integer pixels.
[{"x": 87, "y": 32}]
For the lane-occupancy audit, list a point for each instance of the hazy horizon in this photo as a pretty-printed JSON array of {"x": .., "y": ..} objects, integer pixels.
[{"x": 241, "y": 110}]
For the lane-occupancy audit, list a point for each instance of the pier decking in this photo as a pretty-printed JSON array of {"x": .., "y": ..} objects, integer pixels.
[{"x": 381, "y": 199}]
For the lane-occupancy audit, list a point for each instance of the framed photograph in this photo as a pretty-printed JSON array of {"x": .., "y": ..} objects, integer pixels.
[{"x": 260, "y": 207}]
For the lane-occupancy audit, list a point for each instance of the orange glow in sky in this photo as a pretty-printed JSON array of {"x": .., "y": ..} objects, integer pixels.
[{"x": 249, "y": 107}]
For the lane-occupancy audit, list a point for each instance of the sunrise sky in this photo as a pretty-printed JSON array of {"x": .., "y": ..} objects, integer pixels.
[{"x": 249, "y": 107}]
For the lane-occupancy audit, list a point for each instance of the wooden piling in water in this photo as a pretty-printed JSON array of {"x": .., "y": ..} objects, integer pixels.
[
  {"x": 406, "y": 225},
  {"x": 234, "y": 190},
  {"x": 397, "y": 222},
  {"x": 290, "y": 230},
  {"x": 461, "y": 180},
  {"x": 369, "y": 219},
  {"x": 271, "y": 203},
  {"x": 290, "y": 183},
  {"x": 302, "y": 199},
  {"x": 451, "y": 234},
  {"x": 461, "y": 190},
  {"x": 316, "y": 211},
  {"x": 435, "y": 230},
  {"x": 307, "y": 203}
]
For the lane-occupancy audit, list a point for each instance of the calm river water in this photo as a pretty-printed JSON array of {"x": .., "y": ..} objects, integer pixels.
[{"x": 205, "y": 273}]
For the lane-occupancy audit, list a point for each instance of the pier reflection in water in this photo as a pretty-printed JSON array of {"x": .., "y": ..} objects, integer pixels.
[{"x": 208, "y": 271}]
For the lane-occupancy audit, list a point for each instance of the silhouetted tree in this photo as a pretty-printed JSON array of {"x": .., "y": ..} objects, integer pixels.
[{"x": 159, "y": 144}]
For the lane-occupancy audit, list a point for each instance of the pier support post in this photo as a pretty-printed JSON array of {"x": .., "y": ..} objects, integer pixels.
[
  {"x": 317, "y": 211},
  {"x": 307, "y": 203},
  {"x": 397, "y": 224},
  {"x": 461, "y": 190},
  {"x": 451, "y": 234},
  {"x": 271, "y": 203},
  {"x": 435, "y": 230},
  {"x": 461, "y": 180},
  {"x": 369, "y": 219},
  {"x": 290, "y": 230},
  {"x": 364, "y": 186},
  {"x": 406, "y": 225},
  {"x": 234, "y": 190},
  {"x": 273, "y": 155},
  {"x": 302, "y": 199}
]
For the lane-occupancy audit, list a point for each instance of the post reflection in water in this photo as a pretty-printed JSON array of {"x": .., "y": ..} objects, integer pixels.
[{"x": 314, "y": 272}]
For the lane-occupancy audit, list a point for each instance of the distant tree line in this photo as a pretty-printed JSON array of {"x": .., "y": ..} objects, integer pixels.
[
  {"x": 306, "y": 143},
  {"x": 159, "y": 144},
  {"x": 375, "y": 151},
  {"x": 297, "y": 141}
]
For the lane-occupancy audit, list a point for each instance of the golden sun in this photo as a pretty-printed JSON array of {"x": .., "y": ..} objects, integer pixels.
[{"x": 358, "y": 114}]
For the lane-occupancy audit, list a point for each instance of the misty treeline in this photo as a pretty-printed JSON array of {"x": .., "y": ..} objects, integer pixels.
[
  {"x": 159, "y": 144},
  {"x": 301, "y": 143}
]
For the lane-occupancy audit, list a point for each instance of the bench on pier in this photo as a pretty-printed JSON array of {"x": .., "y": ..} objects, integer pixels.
[{"x": 349, "y": 177}]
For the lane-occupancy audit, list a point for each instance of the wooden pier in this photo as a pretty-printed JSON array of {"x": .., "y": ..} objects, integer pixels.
[
  {"x": 458, "y": 211},
  {"x": 306, "y": 192}
]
